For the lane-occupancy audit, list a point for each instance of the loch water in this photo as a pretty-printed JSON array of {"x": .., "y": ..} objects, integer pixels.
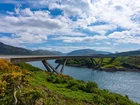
[{"x": 125, "y": 83}]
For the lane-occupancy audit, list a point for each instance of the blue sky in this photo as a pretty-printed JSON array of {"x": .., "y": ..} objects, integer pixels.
[{"x": 66, "y": 25}]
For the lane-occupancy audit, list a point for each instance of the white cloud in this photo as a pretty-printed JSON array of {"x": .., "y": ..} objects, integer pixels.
[
  {"x": 28, "y": 18},
  {"x": 27, "y": 12},
  {"x": 22, "y": 38},
  {"x": 43, "y": 48},
  {"x": 129, "y": 36},
  {"x": 28, "y": 25},
  {"x": 102, "y": 29},
  {"x": 80, "y": 39}
]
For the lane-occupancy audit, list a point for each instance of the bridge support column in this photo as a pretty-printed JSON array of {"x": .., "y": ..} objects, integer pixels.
[
  {"x": 47, "y": 65},
  {"x": 94, "y": 63},
  {"x": 100, "y": 62},
  {"x": 50, "y": 68},
  {"x": 62, "y": 69},
  {"x": 97, "y": 64},
  {"x": 57, "y": 66}
]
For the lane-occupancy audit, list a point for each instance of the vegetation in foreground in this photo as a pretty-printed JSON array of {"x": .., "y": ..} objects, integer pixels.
[
  {"x": 27, "y": 85},
  {"x": 130, "y": 63}
]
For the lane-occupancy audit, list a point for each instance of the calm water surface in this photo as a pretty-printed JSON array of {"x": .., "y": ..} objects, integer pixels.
[{"x": 125, "y": 83}]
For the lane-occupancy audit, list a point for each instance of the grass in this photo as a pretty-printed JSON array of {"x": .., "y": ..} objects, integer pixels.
[
  {"x": 44, "y": 88},
  {"x": 42, "y": 79}
]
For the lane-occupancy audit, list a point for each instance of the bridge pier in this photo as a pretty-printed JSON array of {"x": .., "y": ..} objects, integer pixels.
[
  {"x": 100, "y": 62},
  {"x": 46, "y": 66},
  {"x": 50, "y": 68},
  {"x": 97, "y": 64},
  {"x": 62, "y": 69}
]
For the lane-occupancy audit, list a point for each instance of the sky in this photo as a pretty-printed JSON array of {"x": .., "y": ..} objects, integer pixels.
[{"x": 67, "y": 25}]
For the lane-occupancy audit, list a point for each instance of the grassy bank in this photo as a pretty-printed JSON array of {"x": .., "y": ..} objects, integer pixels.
[{"x": 24, "y": 84}]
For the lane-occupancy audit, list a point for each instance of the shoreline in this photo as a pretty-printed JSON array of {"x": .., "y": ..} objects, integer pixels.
[
  {"x": 119, "y": 69},
  {"x": 112, "y": 69}
]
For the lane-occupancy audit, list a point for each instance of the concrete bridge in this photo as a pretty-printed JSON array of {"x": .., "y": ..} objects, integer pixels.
[{"x": 48, "y": 66}]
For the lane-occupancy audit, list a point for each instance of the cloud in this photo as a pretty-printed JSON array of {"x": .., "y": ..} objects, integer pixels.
[
  {"x": 79, "y": 21},
  {"x": 23, "y": 38},
  {"x": 102, "y": 29},
  {"x": 29, "y": 26},
  {"x": 28, "y": 18},
  {"x": 129, "y": 36},
  {"x": 80, "y": 39},
  {"x": 44, "y": 48}
]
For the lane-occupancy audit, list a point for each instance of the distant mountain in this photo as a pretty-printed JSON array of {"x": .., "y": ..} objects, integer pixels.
[
  {"x": 10, "y": 50},
  {"x": 58, "y": 52},
  {"x": 87, "y": 52},
  {"x": 104, "y": 52},
  {"x": 47, "y": 52},
  {"x": 128, "y": 53}
]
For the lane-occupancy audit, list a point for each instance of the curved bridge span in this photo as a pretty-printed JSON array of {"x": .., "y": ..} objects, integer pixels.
[{"x": 49, "y": 67}]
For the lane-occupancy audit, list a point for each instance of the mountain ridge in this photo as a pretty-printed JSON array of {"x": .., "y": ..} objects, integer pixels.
[
  {"x": 87, "y": 52},
  {"x": 11, "y": 50}
]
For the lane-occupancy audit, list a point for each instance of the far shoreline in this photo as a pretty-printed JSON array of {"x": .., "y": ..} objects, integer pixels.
[{"x": 111, "y": 69}]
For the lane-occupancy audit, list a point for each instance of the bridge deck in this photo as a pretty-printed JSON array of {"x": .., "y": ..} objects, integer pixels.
[
  {"x": 49, "y": 67},
  {"x": 18, "y": 59}
]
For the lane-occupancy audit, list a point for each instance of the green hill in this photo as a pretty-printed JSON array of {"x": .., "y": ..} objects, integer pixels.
[
  {"x": 27, "y": 85},
  {"x": 127, "y": 53},
  {"x": 11, "y": 50}
]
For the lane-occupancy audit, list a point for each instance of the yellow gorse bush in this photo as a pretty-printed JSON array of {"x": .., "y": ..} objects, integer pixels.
[
  {"x": 4, "y": 65},
  {"x": 12, "y": 80}
]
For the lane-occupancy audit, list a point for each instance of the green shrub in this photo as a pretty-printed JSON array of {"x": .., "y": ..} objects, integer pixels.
[
  {"x": 90, "y": 86},
  {"x": 57, "y": 80},
  {"x": 98, "y": 99},
  {"x": 51, "y": 78},
  {"x": 81, "y": 86},
  {"x": 109, "y": 97},
  {"x": 74, "y": 88},
  {"x": 72, "y": 83},
  {"x": 28, "y": 67}
]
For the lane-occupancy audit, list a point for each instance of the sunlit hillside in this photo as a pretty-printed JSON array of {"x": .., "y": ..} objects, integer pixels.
[{"x": 24, "y": 84}]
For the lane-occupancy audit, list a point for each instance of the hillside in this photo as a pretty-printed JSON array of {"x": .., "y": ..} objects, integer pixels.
[
  {"x": 46, "y": 52},
  {"x": 87, "y": 52},
  {"x": 27, "y": 85},
  {"x": 10, "y": 50},
  {"x": 128, "y": 53}
]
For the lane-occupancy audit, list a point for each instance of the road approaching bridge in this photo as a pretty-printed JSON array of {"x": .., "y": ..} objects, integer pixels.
[{"x": 49, "y": 67}]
